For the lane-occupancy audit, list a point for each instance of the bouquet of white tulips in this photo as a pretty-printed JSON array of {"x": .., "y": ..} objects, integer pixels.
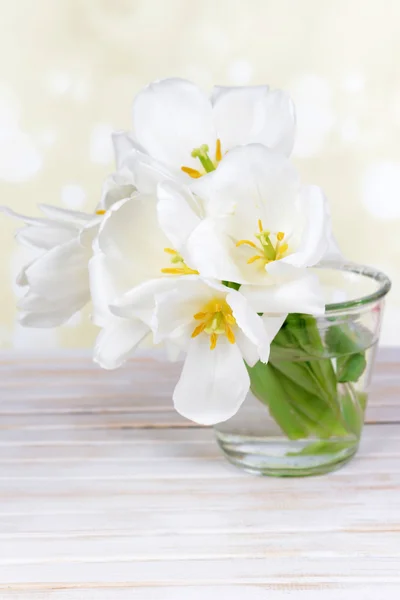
[{"x": 202, "y": 241}]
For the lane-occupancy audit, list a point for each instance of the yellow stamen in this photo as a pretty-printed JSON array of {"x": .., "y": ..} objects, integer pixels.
[
  {"x": 200, "y": 315},
  {"x": 213, "y": 340},
  {"x": 194, "y": 173},
  {"x": 230, "y": 319},
  {"x": 216, "y": 319},
  {"x": 253, "y": 259},
  {"x": 267, "y": 251},
  {"x": 100, "y": 212},
  {"x": 229, "y": 334},
  {"x": 189, "y": 271},
  {"x": 181, "y": 267},
  {"x": 198, "y": 329},
  {"x": 245, "y": 242},
  {"x": 173, "y": 271},
  {"x": 218, "y": 153}
]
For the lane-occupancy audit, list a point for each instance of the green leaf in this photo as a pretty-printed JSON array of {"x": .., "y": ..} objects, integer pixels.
[
  {"x": 348, "y": 337},
  {"x": 347, "y": 343},
  {"x": 353, "y": 406},
  {"x": 301, "y": 332},
  {"x": 232, "y": 285},
  {"x": 324, "y": 418},
  {"x": 362, "y": 399},
  {"x": 266, "y": 385},
  {"x": 300, "y": 373},
  {"x": 350, "y": 368},
  {"x": 293, "y": 339}
]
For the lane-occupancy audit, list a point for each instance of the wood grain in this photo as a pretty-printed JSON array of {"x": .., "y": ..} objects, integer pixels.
[{"x": 107, "y": 493}]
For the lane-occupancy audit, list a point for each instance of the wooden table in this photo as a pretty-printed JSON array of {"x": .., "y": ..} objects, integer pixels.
[{"x": 106, "y": 493}]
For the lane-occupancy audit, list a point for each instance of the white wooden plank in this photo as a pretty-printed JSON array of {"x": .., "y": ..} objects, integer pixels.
[
  {"x": 38, "y": 498},
  {"x": 78, "y": 386},
  {"x": 225, "y": 571},
  {"x": 72, "y": 520},
  {"x": 109, "y": 434},
  {"x": 134, "y": 408},
  {"x": 158, "y": 444},
  {"x": 135, "y": 420},
  {"x": 275, "y": 591},
  {"x": 44, "y": 423},
  {"x": 148, "y": 435},
  {"x": 163, "y": 468},
  {"x": 132, "y": 548},
  {"x": 160, "y": 507},
  {"x": 148, "y": 454}
]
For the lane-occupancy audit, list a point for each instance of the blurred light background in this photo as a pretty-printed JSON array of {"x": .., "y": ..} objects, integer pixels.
[{"x": 70, "y": 69}]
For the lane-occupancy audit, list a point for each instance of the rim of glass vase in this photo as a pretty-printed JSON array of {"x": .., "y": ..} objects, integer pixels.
[{"x": 383, "y": 281}]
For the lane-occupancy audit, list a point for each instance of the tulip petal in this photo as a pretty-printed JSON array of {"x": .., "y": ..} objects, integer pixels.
[
  {"x": 130, "y": 234},
  {"x": 35, "y": 303},
  {"x": 172, "y": 117},
  {"x": 21, "y": 279},
  {"x": 273, "y": 323},
  {"x": 116, "y": 187},
  {"x": 74, "y": 217},
  {"x": 61, "y": 273},
  {"x": 314, "y": 241},
  {"x": 47, "y": 319},
  {"x": 261, "y": 184},
  {"x": 175, "y": 308},
  {"x": 211, "y": 251},
  {"x": 213, "y": 383},
  {"x": 123, "y": 143},
  {"x": 178, "y": 212},
  {"x": 302, "y": 294},
  {"x": 250, "y": 323},
  {"x": 116, "y": 342},
  {"x": 45, "y": 237},
  {"x": 35, "y": 221},
  {"x": 246, "y": 115},
  {"x": 139, "y": 302},
  {"x": 247, "y": 348},
  {"x": 107, "y": 281},
  {"x": 147, "y": 172}
]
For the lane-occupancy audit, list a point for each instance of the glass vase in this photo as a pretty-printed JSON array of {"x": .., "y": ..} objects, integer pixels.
[{"x": 305, "y": 412}]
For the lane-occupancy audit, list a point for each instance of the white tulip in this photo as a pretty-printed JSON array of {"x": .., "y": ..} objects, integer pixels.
[
  {"x": 118, "y": 337},
  {"x": 57, "y": 280},
  {"x": 251, "y": 222},
  {"x": 119, "y": 185},
  {"x": 178, "y": 132},
  {"x": 133, "y": 260},
  {"x": 218, "y": 330}
]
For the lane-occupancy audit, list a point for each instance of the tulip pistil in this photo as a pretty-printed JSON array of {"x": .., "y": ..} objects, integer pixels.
[
  {"x": 216, "y": 319},
  {"x": 202, "y": 153}
]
